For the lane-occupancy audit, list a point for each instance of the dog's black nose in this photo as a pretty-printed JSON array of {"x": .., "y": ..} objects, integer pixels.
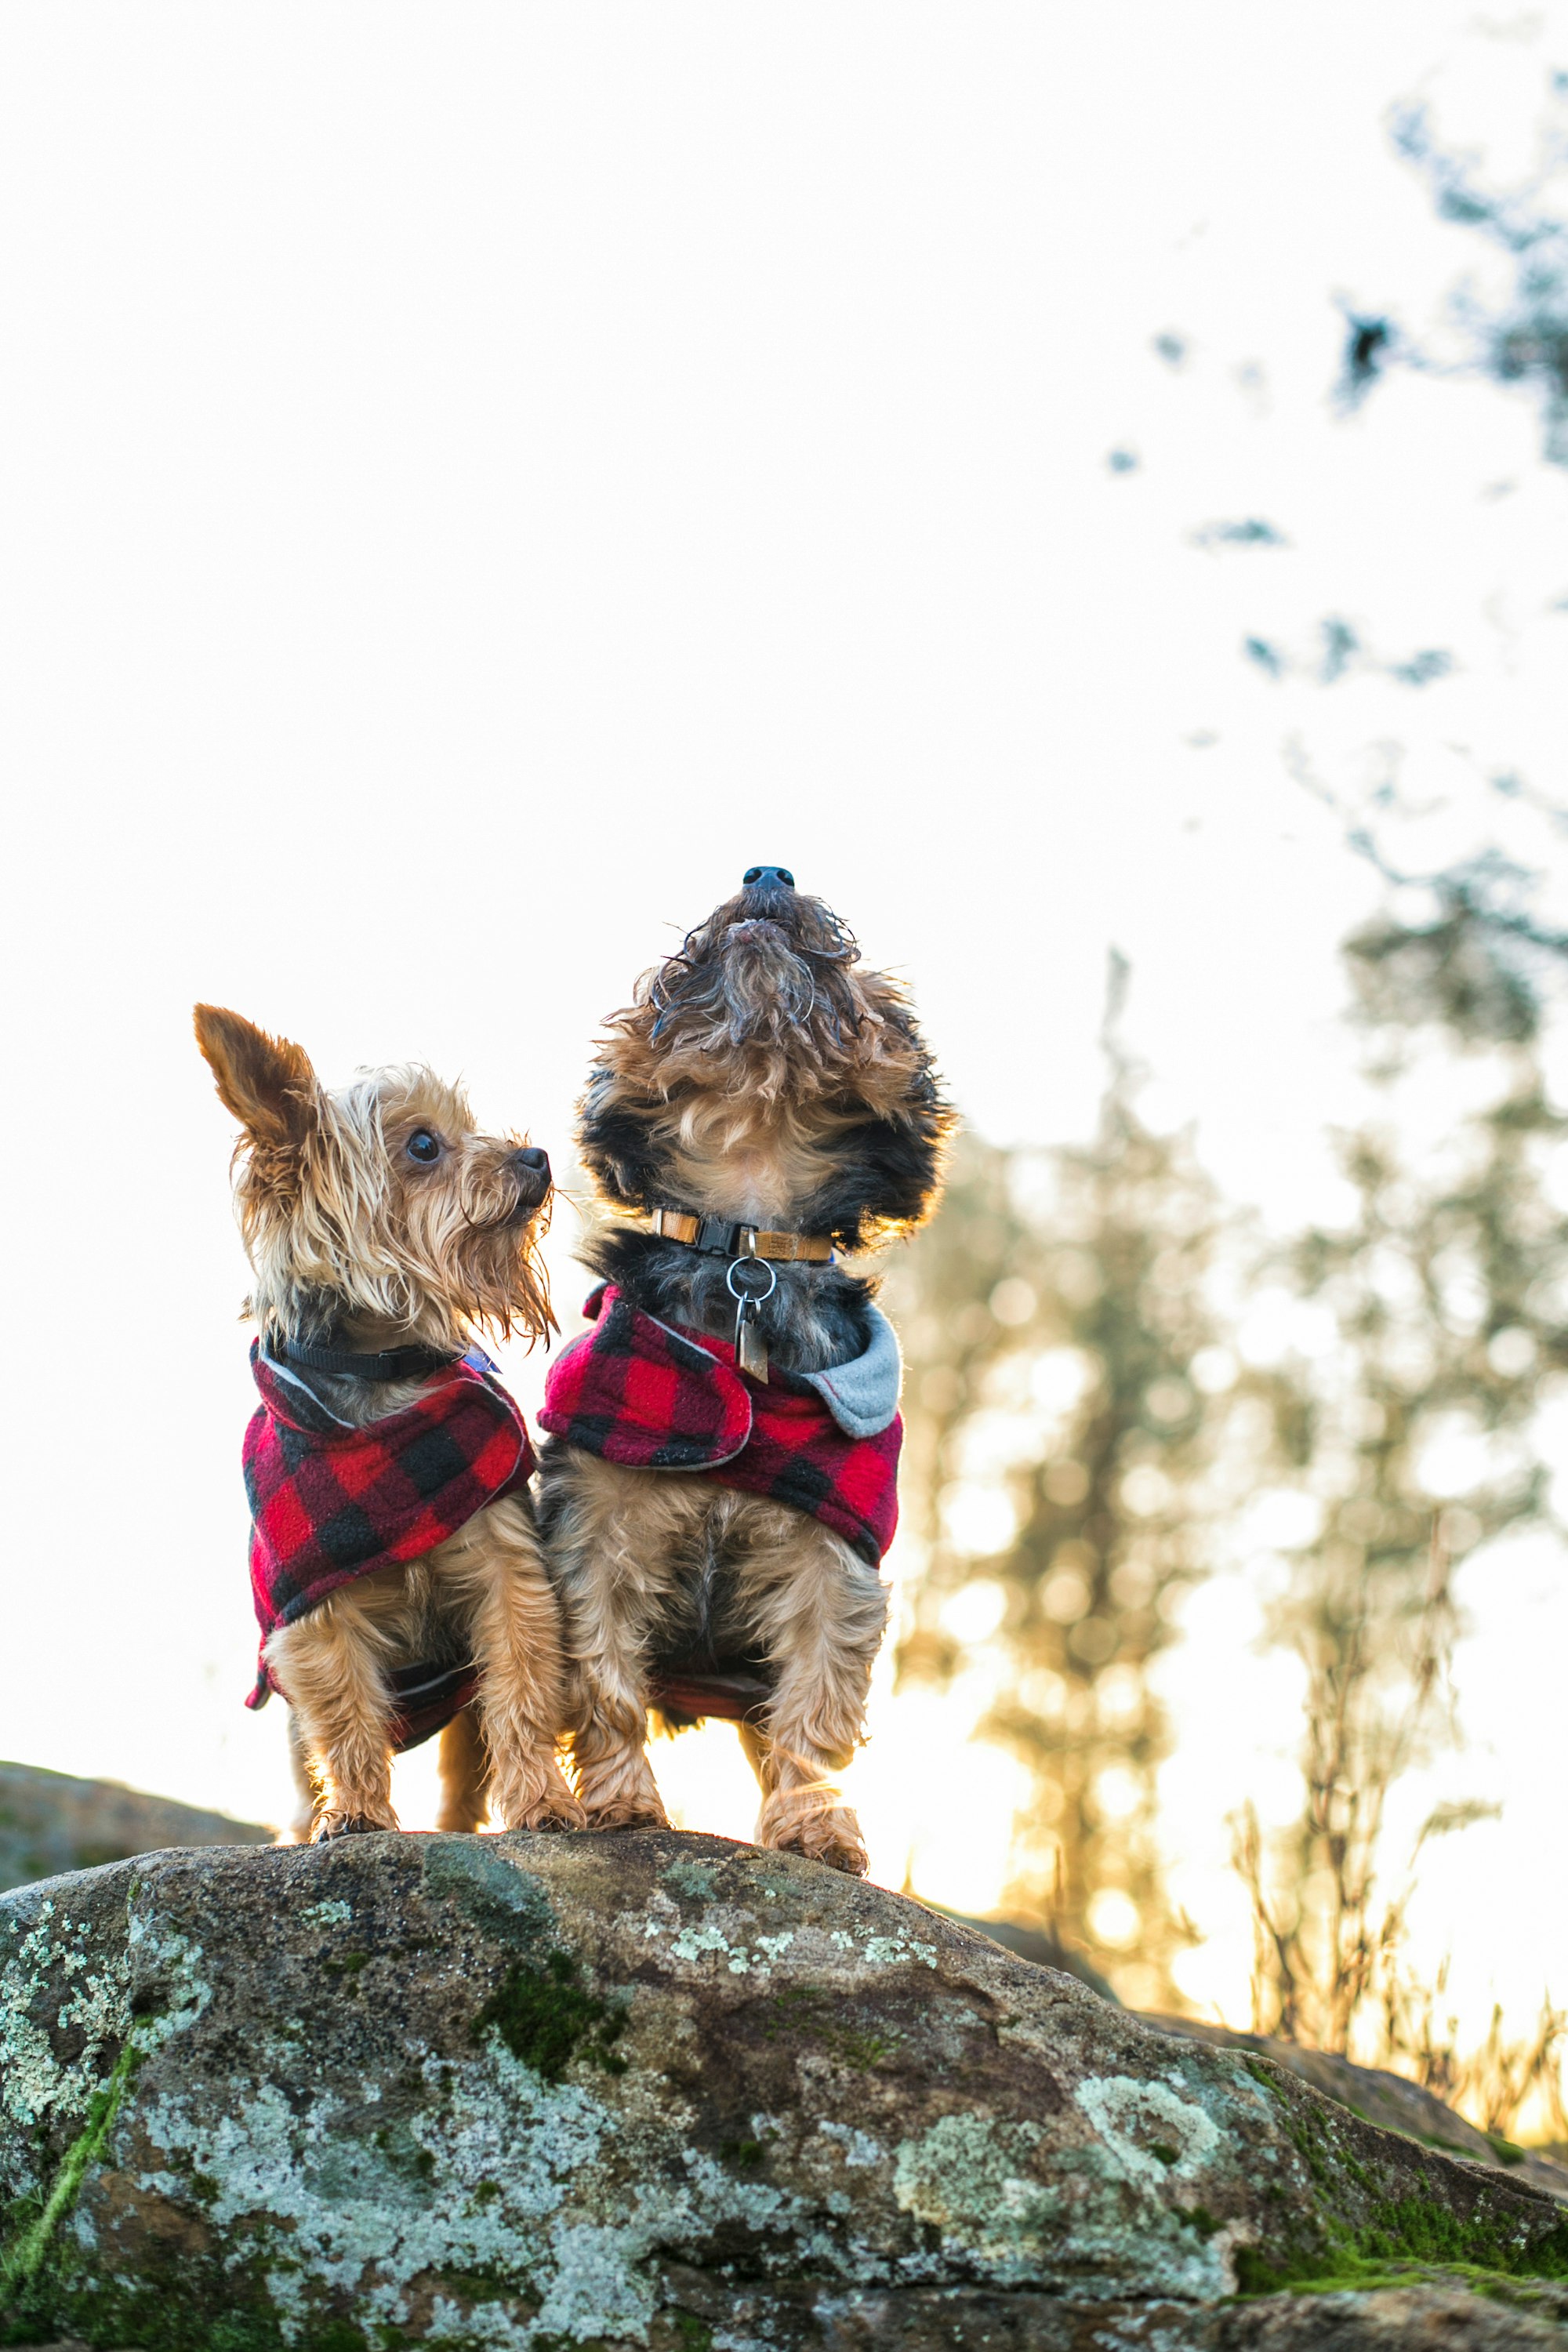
[
  {"x": 767, "y": 878},
  {"x": 537, "y": 1162}
]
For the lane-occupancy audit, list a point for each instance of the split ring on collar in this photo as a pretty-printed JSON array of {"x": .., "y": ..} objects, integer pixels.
[{"x": 753, "y": 1265}]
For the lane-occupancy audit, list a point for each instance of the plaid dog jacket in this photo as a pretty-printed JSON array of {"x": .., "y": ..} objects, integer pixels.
[
  {"x": 330, "y": 1503},
  {"x": 653, "y": 1397}
]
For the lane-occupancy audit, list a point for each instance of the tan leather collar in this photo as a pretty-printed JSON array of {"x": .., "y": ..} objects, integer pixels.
[{"x": 721, "y": 1238}]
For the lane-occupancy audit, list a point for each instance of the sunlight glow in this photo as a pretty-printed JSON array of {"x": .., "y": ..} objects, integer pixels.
[{"x": 574, "y": 518}]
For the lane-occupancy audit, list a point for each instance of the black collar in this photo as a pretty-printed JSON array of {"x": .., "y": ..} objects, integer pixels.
[{"x": 416, "y": 1363}]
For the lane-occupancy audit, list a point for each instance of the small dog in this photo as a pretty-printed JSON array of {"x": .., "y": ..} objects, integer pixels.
[
  {"x": 720, "y": 1484},
  {"x": 397, "y": 1571}
]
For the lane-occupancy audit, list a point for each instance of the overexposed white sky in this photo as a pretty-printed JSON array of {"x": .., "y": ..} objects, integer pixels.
[{"x": 472, "y": 480}]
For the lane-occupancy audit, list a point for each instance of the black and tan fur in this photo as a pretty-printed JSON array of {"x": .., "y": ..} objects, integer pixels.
[
  {"x": 354, "y": 1241},
  {"x": 758, "y": 1074}
]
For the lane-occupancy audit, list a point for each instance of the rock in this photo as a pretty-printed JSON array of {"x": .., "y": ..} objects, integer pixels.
[
  {"x": 676, "y": 2093},
  {"x": 1382, "y": 2098},
  {"x": 1390, "y": 2100},
  {"x": 1041, "y": 1945},
  {"x": 51, "y": 1822}
]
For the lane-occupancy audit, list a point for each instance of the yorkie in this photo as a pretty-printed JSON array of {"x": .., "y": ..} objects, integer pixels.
[
  {"x": 396, "y": 1569},
  {"x": 719, "y": 1486}
]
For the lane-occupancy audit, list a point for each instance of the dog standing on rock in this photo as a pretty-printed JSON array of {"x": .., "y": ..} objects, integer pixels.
[
  {"x": 395, "y": 1564},
  {"x": 720, "y": 1483}
]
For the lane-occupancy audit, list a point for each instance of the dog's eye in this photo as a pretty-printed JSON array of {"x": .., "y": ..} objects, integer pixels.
[{"x": 423, "y": 1145}]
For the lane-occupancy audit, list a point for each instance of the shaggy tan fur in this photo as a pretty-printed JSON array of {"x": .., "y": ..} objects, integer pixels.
[
  {"x": 352, "y": 1237},
  {"x": 339, "y": 1223},
  {"x": 759, "y": 1075},
  {"x": 796, "y": 1021},
  {"x": 627, "y": 1544},
  {"x": 751, "y": 1092}
]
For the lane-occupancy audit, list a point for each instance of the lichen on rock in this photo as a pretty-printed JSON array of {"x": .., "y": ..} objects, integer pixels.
[{"x": 660, "y": 2092}]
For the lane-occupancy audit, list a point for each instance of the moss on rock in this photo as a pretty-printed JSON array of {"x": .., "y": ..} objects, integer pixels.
[
  {"x": 547, "y": 2018},
  {"x": 654, "y": 2092}
]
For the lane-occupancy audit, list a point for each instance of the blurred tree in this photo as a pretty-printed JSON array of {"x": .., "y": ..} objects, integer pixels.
[
  {"x": 1082, "y": 1439},
  {"x": 1446, "y": 1300},
  {"x": 1446, "y": 1290},
  {"x": 1407, "y": 1420},
  {"x": 1516, "y": 332},
  {"x": 1062, "y": 1409}
]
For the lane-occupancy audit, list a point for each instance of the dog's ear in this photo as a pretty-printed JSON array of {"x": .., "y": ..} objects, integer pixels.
[
  {"x": 616, "y": 1141},
  {"x": 266, "y": 1082}
]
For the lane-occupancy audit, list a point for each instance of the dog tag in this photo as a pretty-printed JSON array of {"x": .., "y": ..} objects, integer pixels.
[
  {"x": 744, "y": 1279},
  {"x": 751, "y": 1348}
]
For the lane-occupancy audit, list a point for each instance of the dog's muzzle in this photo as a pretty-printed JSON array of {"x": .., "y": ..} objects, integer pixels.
[
  {"x": 530, "y": 1174},
  {"x": 767, "y": 896}
]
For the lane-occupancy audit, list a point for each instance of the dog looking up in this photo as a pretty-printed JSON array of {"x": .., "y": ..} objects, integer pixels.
[
  {"x": 719, "y": 1486},
  {"x": 396, "y": 1569}
]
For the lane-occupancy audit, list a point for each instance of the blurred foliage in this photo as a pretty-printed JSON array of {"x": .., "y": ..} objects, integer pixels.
[
  {"x": 1087, "y": 1432},
  {"x": 1474, "y": 970},
  {"x": 1493, "y": 2084},
  {"x": 1091, "y": 1426},
  {"x": 1516, "y": 335},
  {"x": 1445, "y": 1299},
  {"x": 1061, "y": 1429},
  {"x": 1444, "y": 1292}
]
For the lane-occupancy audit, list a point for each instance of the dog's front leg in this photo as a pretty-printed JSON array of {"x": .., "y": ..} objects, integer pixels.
[
  {"x": 609, "y": 1546},
  {"x": 464, "y": 1770},
  {"x": 516, "y": 1622},
  {"x": 820, "y": 1612},
  {"x": 307, "y": 1786},
  {"x": 329, "y": 1665}
]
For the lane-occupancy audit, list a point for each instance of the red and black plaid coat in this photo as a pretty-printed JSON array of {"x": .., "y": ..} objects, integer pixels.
[
  {"x": 653, "y": 1397},
  {"x": 330, "y": 1503}
]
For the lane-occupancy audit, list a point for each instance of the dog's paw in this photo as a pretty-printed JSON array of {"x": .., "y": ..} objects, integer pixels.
[
  {"x": 626, "y": 1813},
  {"x": 836, "y": 1842},
  {"x": 553, "y": 1808},
  {"x": 337, "y": 1826},
  {"x": 829, "y": 1834},
  {"x": 556, "y": 1814}
]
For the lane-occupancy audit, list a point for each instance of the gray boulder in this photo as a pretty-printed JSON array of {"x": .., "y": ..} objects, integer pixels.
[
  {"x": 1378, "y": 2097},
  {"x": 50, "y": 1821},
  {"x": 671, "y": 2093}
]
